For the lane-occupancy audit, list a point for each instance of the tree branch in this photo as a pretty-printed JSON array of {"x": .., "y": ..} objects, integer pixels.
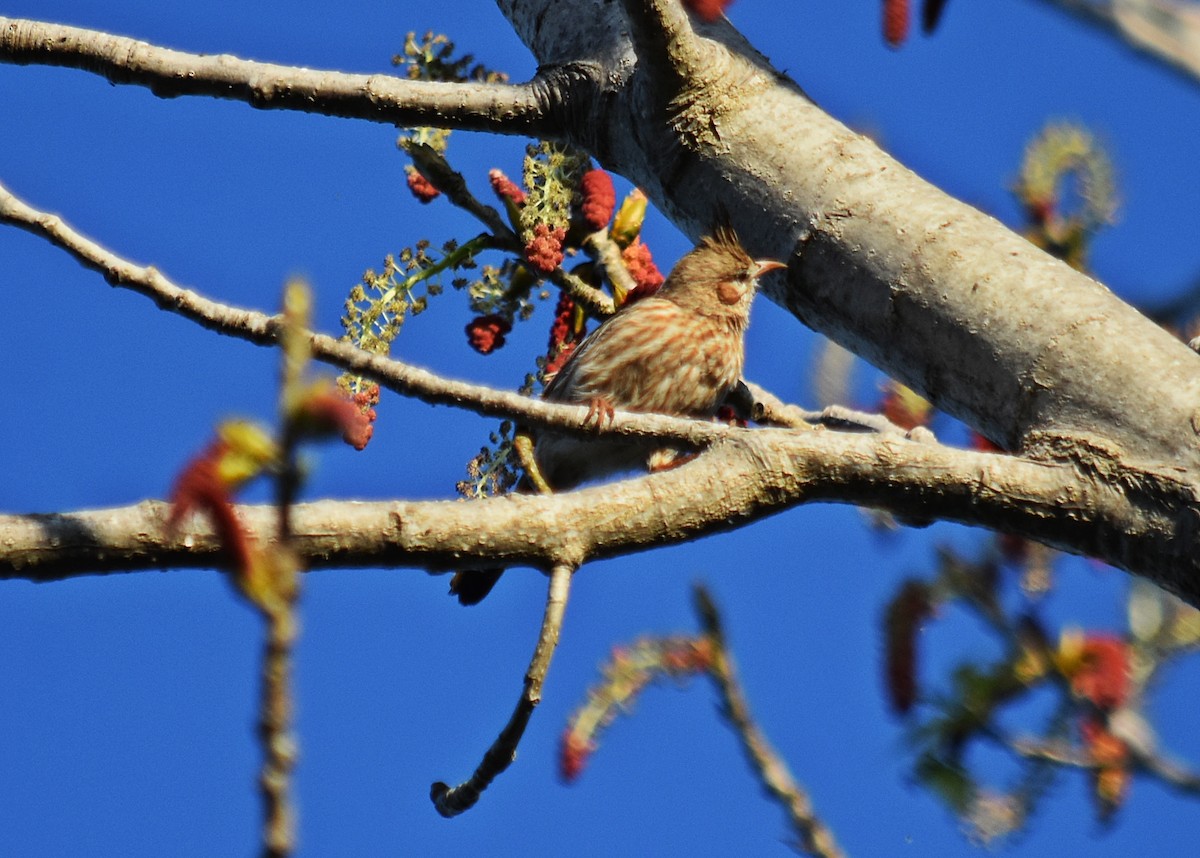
[
  {"x": 814, "y": 837},
  {"x": 495, "y": 107},
  {"x": 262, "y": 329},
  {"x": 1065, "y": 754},
  {"x": 451, "y": 801},
  {"x": 746, "y": 475}
]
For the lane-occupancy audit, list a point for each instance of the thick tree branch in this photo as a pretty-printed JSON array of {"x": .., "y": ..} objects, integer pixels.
[
  {"x": 746, "y": 475},
  {"x": 496, "y": 107}
]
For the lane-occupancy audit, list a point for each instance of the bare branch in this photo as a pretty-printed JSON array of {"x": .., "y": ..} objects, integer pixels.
[
  {"x": 814, "y": 837},
  {"x": 589, "y": 297},
  {"x": 746, "y": 475},
  {"x": 1065, "y": 754},
  {"x": 275, "y": 730},
  {"x": 496, "y": 107},
  {"x": 608, "y": 255},
  {"x": 772, "y": 411},
  {"x": 451, "y": 801},
  {"x": 262, "y": 329}
]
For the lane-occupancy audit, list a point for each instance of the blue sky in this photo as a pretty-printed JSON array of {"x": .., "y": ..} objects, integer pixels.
[{"x": 129, "y": 701}]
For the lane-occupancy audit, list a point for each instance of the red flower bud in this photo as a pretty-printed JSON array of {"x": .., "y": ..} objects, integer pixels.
[
  {"x": 421, "y": 187},
  {"x": 1103, "y": 677},
  {"x": 642, "y": 269},
  {"x": 563, "y": 336},
  {"x": 486, "y": 333},
  {"x": 984, "y": 444},
  {"x": 909, "y": 608},
  {"x": 707, "y": 10},
  {"x": 505, "y": 188},
  {"x": 544, "y": 251},
  {"x": 573, "y": 755},
  {"x": 895, "y": 22},
  {"x": 330, "y": 412},
  {"x": 599, "y": 199},
  {"x": 200, "y": 486}
]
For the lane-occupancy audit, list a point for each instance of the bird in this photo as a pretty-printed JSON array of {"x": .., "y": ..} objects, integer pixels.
[{"x": 678, "y": 351}]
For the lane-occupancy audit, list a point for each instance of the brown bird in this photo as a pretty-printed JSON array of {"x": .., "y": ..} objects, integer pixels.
[{"x": 679, "y": 351}]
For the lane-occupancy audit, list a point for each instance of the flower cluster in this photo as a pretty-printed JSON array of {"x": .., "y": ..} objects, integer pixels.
[
  {"x": 628, "y": 672},
  {"x": 544, "y": 250},
  {"x": 485, "y": 334},
  {"x": 421, "y": 187},
  {"x": 598, "y": 199},
  {"x": 642, "y": 269},
  {"x": 1098, "y": 669},
  {"x": 1060, "y": 153}
]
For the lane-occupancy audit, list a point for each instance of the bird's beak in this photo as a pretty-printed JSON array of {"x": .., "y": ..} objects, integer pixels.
[{"x": 763, "y": 266}]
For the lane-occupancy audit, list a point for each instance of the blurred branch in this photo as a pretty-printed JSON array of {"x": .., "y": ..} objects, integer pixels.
[
  {"x": 496, "y": 107},
  {"x": 813, "y": 836},
  {"x": 1165, "y": 30},
  {"x": 276, "y": 710},
  {"x": 1065, "y": 754},
  {"x": 451, "y": 801}
]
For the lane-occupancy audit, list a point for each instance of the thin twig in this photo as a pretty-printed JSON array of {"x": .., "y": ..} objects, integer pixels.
[
  {"x": 590, "y": 298},
  {"x": 607, "y": 254},
  {"x": 278, "y": 602},
  {"x": 770, "y": 410},
  {"x": 437, "y": 170},
  {"x": 275, "y": 720},
  {"x": 262, "y": 329},
  {"x": 451, "y": 801},
  {"x": 814, "y": 837},
  {"x": 1065, "y": 754},
  {"x": 496, "y": 107}
]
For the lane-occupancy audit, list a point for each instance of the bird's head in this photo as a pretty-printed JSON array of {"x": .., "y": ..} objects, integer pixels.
[{"x": 718, "y": 277}]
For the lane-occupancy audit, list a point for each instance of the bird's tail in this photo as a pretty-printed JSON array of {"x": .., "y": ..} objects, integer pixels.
[{"x": 472, "y": 585}]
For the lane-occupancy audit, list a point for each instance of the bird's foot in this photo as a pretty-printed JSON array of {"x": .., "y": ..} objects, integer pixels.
[
  {"x": 601, "y": 411},
  {"x": 668, "y": 459}
]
